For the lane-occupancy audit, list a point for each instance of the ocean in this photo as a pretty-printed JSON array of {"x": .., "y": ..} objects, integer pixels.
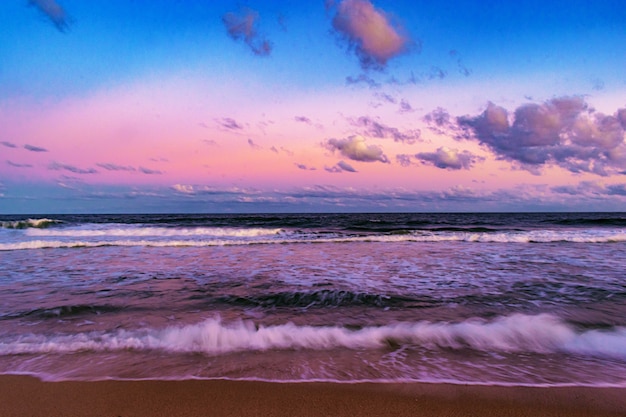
[{"x": 533, "y": 299}]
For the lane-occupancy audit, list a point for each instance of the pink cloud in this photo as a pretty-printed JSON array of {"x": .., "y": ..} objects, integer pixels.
[{"x": 370, "y": 32}]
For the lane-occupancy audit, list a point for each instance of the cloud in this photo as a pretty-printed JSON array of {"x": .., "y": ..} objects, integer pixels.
[
  {"x": 115, "y": 167},
  {"x": 183, "y": 189},
  {"x": 243, "y": 27},
  {"x": 303, "y": 119},
  {"x": 16, "y": 165},
  {"x": 287, "y": 151},
  {"x": 8, "y": 144},
  {"x": 304, "y": 167},
  {"x": 228, "y": 123},
  {"x": 149, "y": 171},
  {"x": 405, "y": 107},
  {"x": 404, "y": 160},
  {"x": 53, "y": 11},
  {"x": 369, "y": 33},
  {"x": 253, "y": 145},
  {"x": 591, "y": 189},
  {"x": 454, "y": 54},
  {"x": 362, "y": 78},
  {"x": 562, "y": 131},
  {"x": 376, "y": 129},
  {"x": 55, "y": 166},
  {"x": 355, "y": 148},
  {"x": 447, "y": 158},
  {"x": 34, "y": 148},
  {"x": 339, "y": 167},
  {"x": 386, "y": 97}
]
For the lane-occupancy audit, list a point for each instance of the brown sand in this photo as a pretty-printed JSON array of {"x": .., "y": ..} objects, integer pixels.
[{"x": 26, "y": 396}]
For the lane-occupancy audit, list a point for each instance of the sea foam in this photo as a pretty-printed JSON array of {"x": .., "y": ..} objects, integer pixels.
[{"x": 543, "y": 334}]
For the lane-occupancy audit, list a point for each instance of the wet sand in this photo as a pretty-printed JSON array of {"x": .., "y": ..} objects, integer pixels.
[{"x": 28, "y": 396}]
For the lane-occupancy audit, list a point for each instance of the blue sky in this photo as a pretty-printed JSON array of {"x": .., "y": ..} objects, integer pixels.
[{"x": 346, "y": 105}]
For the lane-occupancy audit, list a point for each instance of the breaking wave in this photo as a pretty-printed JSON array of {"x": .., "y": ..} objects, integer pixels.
[
  {"x": 132, "y": 232},
  {"x": 542, "y": 334},
  {"x": 28, "y": 223},
  {"x": 164, "y": 237}
]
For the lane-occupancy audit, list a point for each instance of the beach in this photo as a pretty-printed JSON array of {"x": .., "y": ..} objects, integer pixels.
[{"x": 28, "y": 396}]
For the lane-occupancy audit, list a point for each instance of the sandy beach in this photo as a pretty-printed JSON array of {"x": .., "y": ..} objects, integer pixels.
[{"x": 27, "y": 396}]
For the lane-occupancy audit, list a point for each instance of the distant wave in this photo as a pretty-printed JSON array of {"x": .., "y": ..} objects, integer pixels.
[
  {"x": 28, "y": 223},
  {"x": 541, "y": 334},
  {"x": 164, "y": 237},
  {"x": 136, "y": 231}
]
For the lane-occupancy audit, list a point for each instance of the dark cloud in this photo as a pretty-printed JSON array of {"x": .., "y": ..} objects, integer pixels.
[
  {"x": 362, "y": 79},
  {"x": 53, "y": 11},
  {"x": 34, "y": 148},
  {"x": 405, "y": 107},
  {"x": 339, "y": 167},
  {"x": 16, "y": 165},
  {"x": 562, "y": 131},
  {"x": 305, "y": 167},
  {"x": 439, "y": 118},
  {"x": 149, "y": 171},
  {"x": 8, "y": 144},
  {"x": 115, "y": 167},
  {"x": 55, "y": 166},
  {"x": 371, "y": 127},
  {"x": 303, "y": 119},
  {"x": 404, "y": 160},
  {"x": 253, "y": 145},
  {"x": 447, "y": 158},
  {"x": 454, "y": 54},
  {"x": 242, "y": 27},
  {"x": 274, "y": 149},
  {"x": 354, "y": 148},
  {"x": 370, "y": 33},
  {"x": 386, "y": 97},
  {"x": 228, "y": 123},
  {"x": 436, "y": 73},
  {"x": 617, "y": 189},
  {"x": 587, "y": 189}
]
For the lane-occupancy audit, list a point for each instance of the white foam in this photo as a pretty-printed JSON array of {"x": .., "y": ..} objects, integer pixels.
[
  {"x": 28, "y": 223},
  {"x": 139, "y": 231},
  {"x": 200, "y": 237},
  {"x": 542, "y": 333}
]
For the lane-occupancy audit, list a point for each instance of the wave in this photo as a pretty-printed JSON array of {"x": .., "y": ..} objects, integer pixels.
[
  {"x": 125, "y": 231},
  {"x": 541, "y": 334},
  {"x": 64, "y": 311},
  {"x": 227, "y": 237},
  {"x": 322, "y": 298},
  {"x": 28, "y": 223}
]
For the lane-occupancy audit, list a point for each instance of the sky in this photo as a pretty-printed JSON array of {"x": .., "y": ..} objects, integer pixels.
[{"x": 118, "y": 106}]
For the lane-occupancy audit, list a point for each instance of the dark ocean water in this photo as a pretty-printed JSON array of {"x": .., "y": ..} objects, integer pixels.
[{"x": 509, "y": 299}]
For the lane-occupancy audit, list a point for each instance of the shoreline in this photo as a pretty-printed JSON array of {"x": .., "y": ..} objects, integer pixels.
[{"x": 22, "y": 395}]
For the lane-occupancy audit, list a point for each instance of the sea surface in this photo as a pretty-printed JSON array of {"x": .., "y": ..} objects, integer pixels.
[{"x": 497, "y": 299}]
